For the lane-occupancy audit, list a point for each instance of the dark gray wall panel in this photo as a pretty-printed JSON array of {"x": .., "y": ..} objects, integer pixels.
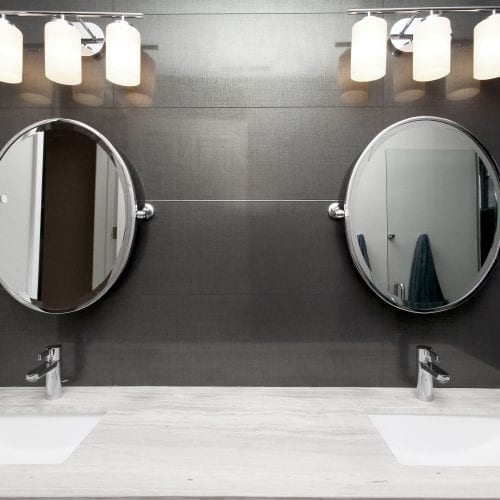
[
  {"x": 248, "y": 106},
  {"x": 280, "y": 153}
]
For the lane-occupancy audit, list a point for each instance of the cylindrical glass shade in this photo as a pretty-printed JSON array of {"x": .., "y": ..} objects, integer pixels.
[
  {"x": 123, "y": 54},
  {"x": 63, "y": 53},
  {"x": 91, "y": 91},
  {"x": 431, "y": 49},
  {"x": 35, "y": 88},
  {"x": 460, "y": 83},
  {"x": 11, "y": 53},
  {"x": 368, "y": 49},
  {"x": 351, "y": 92},
  {"x": 143, "y": 94},
  {"x": 404, "y": 87},
  {"x": 487, "y": 48}
]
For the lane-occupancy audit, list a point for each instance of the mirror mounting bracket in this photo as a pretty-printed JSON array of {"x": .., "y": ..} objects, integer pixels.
[
  {"x": 145, "y": 212},
  {"x": 336, "y": 210}
]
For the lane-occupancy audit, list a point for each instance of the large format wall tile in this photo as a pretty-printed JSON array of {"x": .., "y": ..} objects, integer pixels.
[
  {"x": 250, "y": 60},
  {"x": 284, "y": 153},
  {"x": 248, "y": 105}
]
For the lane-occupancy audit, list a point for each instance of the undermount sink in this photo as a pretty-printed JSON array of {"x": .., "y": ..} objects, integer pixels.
[
  {"x": 43, "y": 439},
  {"x": 442, "y": 440}
]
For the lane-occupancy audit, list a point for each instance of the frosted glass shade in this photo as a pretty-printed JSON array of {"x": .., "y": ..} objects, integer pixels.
[
  {"x": 431, "y": 49},
  {"x": 123, "y": 54},
  {"x": 63, "y": 53},
  {"x": 368, "y": 49},
  {"x": 11, "y": 53},
  {"x": 487, "y": 48}
]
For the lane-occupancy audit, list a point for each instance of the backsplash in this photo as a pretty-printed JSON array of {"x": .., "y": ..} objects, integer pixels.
[{"x": 241, "y": 278}]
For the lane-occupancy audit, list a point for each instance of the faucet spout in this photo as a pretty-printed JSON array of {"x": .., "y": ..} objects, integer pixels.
[
  {"x": 436, "y": 372},
  {"x": 41, "y": 371}
]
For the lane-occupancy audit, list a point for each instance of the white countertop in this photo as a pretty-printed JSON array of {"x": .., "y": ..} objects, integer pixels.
[{"x": 244, "y": 442}]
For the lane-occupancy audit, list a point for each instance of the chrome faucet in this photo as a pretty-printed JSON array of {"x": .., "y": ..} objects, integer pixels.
[
  {"x": 427, "y": 372},
  {"x": 50, "y": 369}
]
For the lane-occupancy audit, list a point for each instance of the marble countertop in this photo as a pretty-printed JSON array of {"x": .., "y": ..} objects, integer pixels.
[{"x": 244, "y": 442}]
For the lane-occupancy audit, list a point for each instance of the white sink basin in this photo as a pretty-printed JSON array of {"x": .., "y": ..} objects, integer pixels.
[
  {"x": 43, "y": 439},
  {"x": 441, "y": 439}
]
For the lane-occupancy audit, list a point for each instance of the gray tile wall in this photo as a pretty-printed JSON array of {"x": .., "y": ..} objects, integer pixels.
[{"x": 241, "y": 278}]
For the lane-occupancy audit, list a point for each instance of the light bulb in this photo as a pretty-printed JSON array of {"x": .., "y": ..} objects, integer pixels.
[
  {"x": 63, "y": 53},
  {"x": 123, "y": 54},
  {"x": 11, "y": 53},
  {"x": 487, "y": 48},
  {"x": 368, "y": 49},
  {"x": 431, "y": 48}
]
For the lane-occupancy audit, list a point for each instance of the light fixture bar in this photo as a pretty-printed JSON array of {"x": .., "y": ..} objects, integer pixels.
[
  {"x": 55, "y": 13},
  {"x": 416, "y": 10}
]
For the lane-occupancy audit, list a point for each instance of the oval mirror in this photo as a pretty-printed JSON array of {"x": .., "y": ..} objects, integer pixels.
[
  {"x": 68, "y": 212},
  {"x": 421, "y": 213}
]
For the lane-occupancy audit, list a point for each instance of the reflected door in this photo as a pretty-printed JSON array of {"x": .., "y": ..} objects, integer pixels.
[{"x": 433, "y": 193}]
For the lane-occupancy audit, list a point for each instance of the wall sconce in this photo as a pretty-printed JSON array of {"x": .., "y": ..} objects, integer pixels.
[
  {"x": 429, "y": 39},
  {"x": 431, "y": 48},
  {"x": 368, "y": 49},
  {"x": 11, "y": 52},
  {"x": 487, "y": 48},
  {"x": 66, "y": 42}
]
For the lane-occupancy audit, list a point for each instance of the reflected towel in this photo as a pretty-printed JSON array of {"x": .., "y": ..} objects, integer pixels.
[
  {"x": 424, "y": 290},
  {"x": 364, "y": 250}
]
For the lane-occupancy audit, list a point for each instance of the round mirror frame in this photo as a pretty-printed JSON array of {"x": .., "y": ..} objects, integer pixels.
[
  {"x": 340, "y": 210},
  {"x": 135, "y": 209}
]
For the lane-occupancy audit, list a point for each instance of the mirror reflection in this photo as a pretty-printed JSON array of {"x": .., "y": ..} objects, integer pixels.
[
  {"x": 64, "y": 224},
  {"x": 422, "y": 214}
]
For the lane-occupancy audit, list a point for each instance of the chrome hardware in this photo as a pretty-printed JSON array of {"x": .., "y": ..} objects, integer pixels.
[
  {"x": 336, "y": 210},
  {"x": 399, "y": 290},
  {"x": 391, "y": 236},
  {"x": 427, "y": 372},
  {"x": 50, "y": 369},
  {"x": 145, "y": 212}
]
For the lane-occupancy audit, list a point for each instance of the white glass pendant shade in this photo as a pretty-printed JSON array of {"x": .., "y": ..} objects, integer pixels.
[
  {"x": 11, "y": 53},
  {"x": 369, "y": 49},
  {"x": 63, "y": 53},
  {"x": 487, "y": 48},
  {"x": 123, "y": 54},
  {"x": 431, "y": 49}
]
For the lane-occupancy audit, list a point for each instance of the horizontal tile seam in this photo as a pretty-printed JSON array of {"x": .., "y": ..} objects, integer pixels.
[{"x": 250, "y": 13}]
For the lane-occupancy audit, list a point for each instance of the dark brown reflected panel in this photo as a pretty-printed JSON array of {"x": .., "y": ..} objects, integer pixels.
[{"x": 67, "y": 219}]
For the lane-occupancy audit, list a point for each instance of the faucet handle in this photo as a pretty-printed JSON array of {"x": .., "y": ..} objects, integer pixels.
[
  {"x": 426, "y": 354},
  {"x": 52, "y": 352}
]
